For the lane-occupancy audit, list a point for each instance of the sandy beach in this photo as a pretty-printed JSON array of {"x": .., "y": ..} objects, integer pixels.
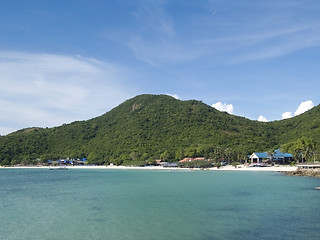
[{"x": 224, "y": 168}]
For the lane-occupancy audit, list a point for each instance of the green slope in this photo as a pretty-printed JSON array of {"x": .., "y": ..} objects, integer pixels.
[{"x": 154, "y": 126}]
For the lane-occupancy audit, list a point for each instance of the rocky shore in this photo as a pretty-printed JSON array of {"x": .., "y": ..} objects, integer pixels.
[{"x": 305, "y": 172}]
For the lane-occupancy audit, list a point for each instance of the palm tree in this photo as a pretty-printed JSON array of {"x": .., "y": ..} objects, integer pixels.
[
  {"x": 228, "y": 153},
  {"x": 271, "y": 153}
]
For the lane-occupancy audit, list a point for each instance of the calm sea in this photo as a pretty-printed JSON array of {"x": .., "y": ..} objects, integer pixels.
[{"x": 141, "y": 204}]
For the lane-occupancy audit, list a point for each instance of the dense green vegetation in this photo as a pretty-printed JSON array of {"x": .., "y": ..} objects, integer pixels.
[
  {"x": 303, "y": 149},
  {"x": 150, "y": 127}
]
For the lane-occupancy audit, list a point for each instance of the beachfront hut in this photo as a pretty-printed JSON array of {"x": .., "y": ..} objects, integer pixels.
[
  {"x": 185, "y": 160},
  {"x": 282, "y": 158},
  {"x": 170, "y": 164},
  {"x": 188, "y": 159},
  {"x": 277, "y": 157},
  {"x": 258, "y": 157}
]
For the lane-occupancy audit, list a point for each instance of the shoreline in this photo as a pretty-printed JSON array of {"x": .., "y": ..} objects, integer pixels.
[
  {"x": 224, "y": 168},
  {"x": 314, "y": 173}
]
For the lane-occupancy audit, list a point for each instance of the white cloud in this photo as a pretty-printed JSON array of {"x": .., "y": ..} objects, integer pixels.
[
  {"x": 47, "y": 90},
  {"x": 262, "y": 119},
  {"x": 286, "y": 115},
  {"x": 303, "y": 107},
  {"x": 174, "y": 96},
  {"x": 223, "y": 107}
]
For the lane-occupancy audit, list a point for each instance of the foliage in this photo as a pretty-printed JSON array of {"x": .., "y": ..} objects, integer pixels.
[
  {"x": 150, "y": 127},
  {"x": 302, "y": 149},
  {"x": 235, "y": 164},
  {"x": 217, "y": 164},
  {"x": 196, "y": 164}
]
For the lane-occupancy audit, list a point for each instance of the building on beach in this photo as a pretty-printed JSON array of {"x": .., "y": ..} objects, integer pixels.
[
  {"x": 189, "y": 159},
  {"x": 276, "y": 157}
]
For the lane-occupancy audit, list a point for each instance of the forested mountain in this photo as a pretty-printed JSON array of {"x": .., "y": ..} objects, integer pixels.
[{"x": 150, "y": 127}]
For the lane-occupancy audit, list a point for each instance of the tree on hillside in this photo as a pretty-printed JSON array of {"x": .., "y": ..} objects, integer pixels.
[
  {"x": 166, "y": 156},
  {"x": 228, "y": 152},
  {"x": 179, "y": 154},
  {"x": 92, "y": 158},
  {"x": 218, "y": 153},
  {"x": 302, "y": 149},
  {"x": 147, "y": 126}
]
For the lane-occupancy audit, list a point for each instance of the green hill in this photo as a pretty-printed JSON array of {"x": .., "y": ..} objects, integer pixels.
[{"x": 150, "y": 127}]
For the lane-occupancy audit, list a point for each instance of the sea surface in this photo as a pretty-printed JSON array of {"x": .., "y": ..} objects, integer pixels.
[{"x": 150, "y": 204}]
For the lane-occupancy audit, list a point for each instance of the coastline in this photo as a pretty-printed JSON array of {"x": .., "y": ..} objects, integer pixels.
[
  {"x": 224, "y": 168},
  {"x": 314, "y": 173}
]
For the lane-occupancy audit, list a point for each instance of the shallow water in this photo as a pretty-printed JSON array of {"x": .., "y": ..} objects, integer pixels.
[{"x": 144, "y": 204}]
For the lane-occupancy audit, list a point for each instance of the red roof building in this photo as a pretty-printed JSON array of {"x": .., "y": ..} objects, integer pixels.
[{"x": 193, "y": 159}]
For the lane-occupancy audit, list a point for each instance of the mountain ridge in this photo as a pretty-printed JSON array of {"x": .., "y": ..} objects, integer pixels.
[{"x": 156, "y": 126}]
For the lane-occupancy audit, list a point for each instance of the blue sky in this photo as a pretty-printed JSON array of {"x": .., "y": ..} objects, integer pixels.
[{"x": 62, "y": 61}]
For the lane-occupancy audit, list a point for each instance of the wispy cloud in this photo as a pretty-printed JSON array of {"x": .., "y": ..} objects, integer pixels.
[
  {"x": 273, "y": 33},
  {"x": 157, "y": 41},
  {"x": 278, "y": 45},
  {"x": 268, "y": 30},
  {"x": 49, "y": 90},
  {"x": 152, "y": 16}
]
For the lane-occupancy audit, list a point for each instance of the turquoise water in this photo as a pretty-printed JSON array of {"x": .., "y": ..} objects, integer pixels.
[{"x": 142, "y": 204}]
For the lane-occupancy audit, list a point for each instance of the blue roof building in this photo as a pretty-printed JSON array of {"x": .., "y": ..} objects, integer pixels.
[
  {"x": 276, "y": 157},
  {"x": 279, "y": 156}
]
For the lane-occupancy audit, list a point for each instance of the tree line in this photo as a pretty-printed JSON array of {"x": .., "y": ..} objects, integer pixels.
[{"x": 158, "y": 127}]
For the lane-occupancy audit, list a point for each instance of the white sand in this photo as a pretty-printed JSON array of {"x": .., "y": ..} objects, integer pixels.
[
  {"x": 225, "y": 168},
  {"x": 272, "y": 169}
]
